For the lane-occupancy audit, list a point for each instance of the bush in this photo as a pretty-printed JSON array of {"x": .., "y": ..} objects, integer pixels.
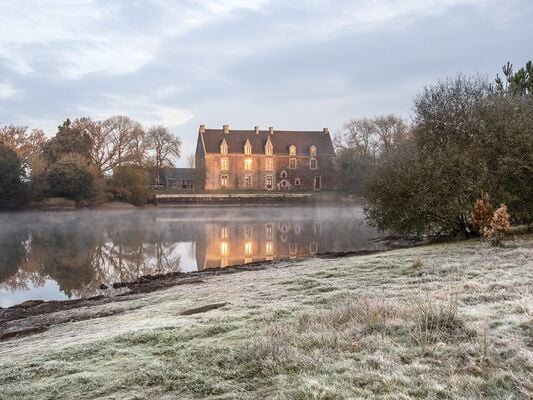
[
  {"x": 483, "y": 211},
  {"x": 131, "y": 184},
  {"x": 72, "y": 177},
  {"x": 499, "y": 225}
]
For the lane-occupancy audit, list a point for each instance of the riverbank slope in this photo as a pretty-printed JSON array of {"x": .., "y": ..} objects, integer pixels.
[{"x": 442, "y": 321}]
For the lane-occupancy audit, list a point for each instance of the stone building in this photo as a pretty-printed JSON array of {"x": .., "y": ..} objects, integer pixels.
[{"x": 264, "y": 159}]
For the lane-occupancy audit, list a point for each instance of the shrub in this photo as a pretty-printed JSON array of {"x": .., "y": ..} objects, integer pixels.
[
  {"x": 483, "y": 211},
  {"x": 71, "y": 177},
  {"x": 499, "y": 225},
  {"x": 131, "y": 184}
]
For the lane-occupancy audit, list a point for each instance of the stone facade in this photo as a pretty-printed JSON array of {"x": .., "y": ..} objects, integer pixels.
[{"x": 264, "y": 160}]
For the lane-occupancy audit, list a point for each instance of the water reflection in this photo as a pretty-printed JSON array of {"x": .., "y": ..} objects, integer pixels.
[{"x": 69, "y": 255}]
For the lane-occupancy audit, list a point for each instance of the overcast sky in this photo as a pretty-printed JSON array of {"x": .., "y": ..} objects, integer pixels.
[{"x": 303, "y": 64}]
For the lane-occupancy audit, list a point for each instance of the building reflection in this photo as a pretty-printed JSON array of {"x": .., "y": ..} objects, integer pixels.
[
  {"x": 223, "y": 244},
  {"x": 81, "y": 251}
]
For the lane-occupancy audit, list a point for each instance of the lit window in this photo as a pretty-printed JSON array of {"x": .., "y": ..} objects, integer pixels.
[
  {"x": 224, "y": 164},
  {"x": 224, "y": 232},
  {"x": 248, "y": 164},
  {"x": 223, "y": 180},
  {"x": 268, "y": 247},
  {"x": 248, "y": 248},
  {"x": 283, "y": 174},
  {"x": 313, "y": 163},
  {"x": 247, "y": 180},
  {"x": 247, "y": 147},
  {"x": 292, "y": 163},
  {"x": 269, "y": 164},
  {"x": 312, "y": 151},
  {"x": 268, "y": 181},
  {"x": 292, "y": 150},
  {"x": 224, "y": 248},
  {"x": 297, "y": 182}
]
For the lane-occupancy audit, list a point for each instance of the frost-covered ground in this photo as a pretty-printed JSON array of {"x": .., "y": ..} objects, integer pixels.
[{"x": 443, "y": 321}]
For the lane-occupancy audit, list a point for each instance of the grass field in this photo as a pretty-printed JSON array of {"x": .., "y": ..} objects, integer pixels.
[{"x": 436, "y": 322}]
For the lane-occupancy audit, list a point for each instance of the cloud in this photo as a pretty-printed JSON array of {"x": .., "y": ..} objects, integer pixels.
[
  {"x": 7, "y": 90},
  {"x": 79, "y": 37},
  {"x": 145, "y": 109}
]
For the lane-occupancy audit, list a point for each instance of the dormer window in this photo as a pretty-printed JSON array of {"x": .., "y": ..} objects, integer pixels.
[
  {"x": 292, "y": 150},
  {"x": 312, "y": 151},
  {"x": 247, "y": 148},
  {"x": 269, "y": 149},
  {"x": 224, "y": 147}
]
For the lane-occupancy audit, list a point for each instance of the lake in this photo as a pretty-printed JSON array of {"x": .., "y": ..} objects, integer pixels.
[{"x": 65, "y": 255}]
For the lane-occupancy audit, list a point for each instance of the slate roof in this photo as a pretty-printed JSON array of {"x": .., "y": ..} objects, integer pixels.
[
  {"x": 281, "y": 140},
  {"x": 179, "y": 174}
]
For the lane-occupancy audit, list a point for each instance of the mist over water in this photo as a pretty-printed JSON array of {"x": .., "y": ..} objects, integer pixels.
[{"x": 62, "y": 255}]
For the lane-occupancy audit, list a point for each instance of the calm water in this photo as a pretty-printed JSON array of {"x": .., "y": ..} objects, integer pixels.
[{"x": 64, "y": 255}]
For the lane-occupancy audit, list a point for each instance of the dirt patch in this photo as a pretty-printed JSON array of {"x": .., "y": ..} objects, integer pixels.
[{"x": 203, "y": 309}]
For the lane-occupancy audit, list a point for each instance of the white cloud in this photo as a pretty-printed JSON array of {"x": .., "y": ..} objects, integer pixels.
[
  {"x": 141, "y": 108},
  {"x": 7, "y": 90},
  {"x": 110, "y": 37}
]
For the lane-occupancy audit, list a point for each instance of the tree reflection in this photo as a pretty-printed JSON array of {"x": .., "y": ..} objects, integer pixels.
[{"x": 82, "y": 250}]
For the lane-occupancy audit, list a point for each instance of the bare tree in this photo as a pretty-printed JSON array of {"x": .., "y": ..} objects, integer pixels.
[
  {"x": 391, "y": 131},
  {"x": 114, "y": 141},
  {"x": 190, "y": 161},
  {"x": 360, "y": 136},
  {"x": 165, "y": 148}
]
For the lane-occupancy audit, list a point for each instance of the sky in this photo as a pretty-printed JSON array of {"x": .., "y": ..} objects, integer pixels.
[{"x": 302, "y": 64}]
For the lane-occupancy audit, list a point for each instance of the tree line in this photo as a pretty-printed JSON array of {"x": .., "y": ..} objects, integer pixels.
[
  {"x": 87, "y": 161},
  {"x": 468, "y": 139}
]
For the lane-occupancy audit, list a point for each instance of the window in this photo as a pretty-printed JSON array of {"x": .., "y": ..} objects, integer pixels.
[
  {"x": 224, "y": 147},
  {"x": 293, "y": 248},
  {"x": 283, "y": 174},
  {"x": 292, "y": 163},
  {"x": 247, "y": 147},
  {"x": 269, "y": 231},
  {"x": 223, "y": 180},
  {"x": 268, "y": 181},
  {"x": 248, "y": 180},
  {"x": 224, "y": 232},
  {"x": 269, "y": 149},
  {"x": 224, "y": 164},
  {"x": 313, "y": 247},
  {"x": 269, "y": 247},
  {"x": 313, "y": 163},
  {"x": 312, "y": 151},
  {"x": 284, "y": 184},
  {"x": 248, "y": 231},
  {"x": 224, "y": 248},
  {"x": 269, "y": 166},
  {"x": 297, "y": 182},
  {"x": 248, "y": 248},
  {"x": 318, "y": 182},
  {"x": 248, "y": 164},
  {"x": 292, "y": 150}
]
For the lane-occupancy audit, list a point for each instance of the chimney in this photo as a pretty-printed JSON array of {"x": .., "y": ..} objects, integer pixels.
[
  {"x": 225, "y": 128},
  {"x": 271, "y": 129},
  {"x": 202, "y": 128},
  {"x": 326, "y": 131},
  {"x": 256, "y": 130}
]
